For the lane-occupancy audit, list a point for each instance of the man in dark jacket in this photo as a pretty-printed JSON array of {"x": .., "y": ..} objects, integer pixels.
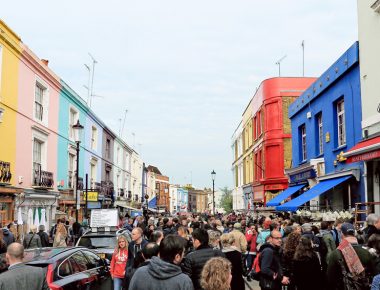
[
  {"x": 8, "y": 237},
  {"x": 194, "y": 261},
  {"x": 43, "y": 236},
  {"x": 373, "y": 226},
  {"x": 307, "y": 232},
  {"x": 163, "y": 272},
  {"x": 272, "y": 277},
  {"x": 334, "y": 270}
]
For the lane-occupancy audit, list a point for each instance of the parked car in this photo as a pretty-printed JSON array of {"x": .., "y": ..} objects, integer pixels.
[
  {"x": 71, "y": 268},
  {"x": 103, "y": 243}
]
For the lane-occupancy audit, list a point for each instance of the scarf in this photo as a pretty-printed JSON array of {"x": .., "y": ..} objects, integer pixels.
[{"x": 351, "y": 258}]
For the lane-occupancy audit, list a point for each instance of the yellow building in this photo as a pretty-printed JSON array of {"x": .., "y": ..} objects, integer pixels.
[{"x": 10, "y": 51}]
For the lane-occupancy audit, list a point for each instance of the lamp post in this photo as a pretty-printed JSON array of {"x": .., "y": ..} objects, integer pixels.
[
  {"x": 213, "y": 173},
  {"x": 77, "y": 136},
  {"x": 146, "y": 200}
]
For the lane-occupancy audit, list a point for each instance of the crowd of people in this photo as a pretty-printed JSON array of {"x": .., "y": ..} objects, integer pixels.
[{"x": 221, "y": 251}]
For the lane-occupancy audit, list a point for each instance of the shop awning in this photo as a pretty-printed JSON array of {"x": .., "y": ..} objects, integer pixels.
[
  {"x": 364, "y": 150},
  {"x": 313, "y": 192},
  {"x": 152, "y": 203},
  {"x": 284, "y": 195}
]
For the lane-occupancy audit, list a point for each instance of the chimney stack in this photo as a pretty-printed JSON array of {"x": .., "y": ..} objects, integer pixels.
[{"x": 45, "y": 62}]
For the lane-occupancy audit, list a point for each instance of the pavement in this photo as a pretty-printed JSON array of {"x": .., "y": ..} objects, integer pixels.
[{"x": 253, "y": 285}]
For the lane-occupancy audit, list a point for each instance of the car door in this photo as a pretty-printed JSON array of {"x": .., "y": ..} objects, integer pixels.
[
  {"x": 99, "y": 271},
  {"x": 67, "y": 275}
]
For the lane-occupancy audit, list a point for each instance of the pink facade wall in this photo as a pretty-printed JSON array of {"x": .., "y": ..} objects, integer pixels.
[{"x": 32, "y": 69}]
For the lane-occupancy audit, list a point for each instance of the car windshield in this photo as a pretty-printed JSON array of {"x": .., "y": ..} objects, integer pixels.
[{"x": 94, "y": 242}]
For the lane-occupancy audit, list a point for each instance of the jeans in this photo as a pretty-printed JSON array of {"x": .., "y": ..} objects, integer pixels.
[
  {"x": 249, "y": 261},
  {"x": 117, "y": 283}
]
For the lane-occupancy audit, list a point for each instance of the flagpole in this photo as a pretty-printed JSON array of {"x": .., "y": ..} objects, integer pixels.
[{"x": 303, "y": 57}]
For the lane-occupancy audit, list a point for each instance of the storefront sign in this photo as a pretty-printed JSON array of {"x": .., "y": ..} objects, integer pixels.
[
  {"x": 92, "y": 196},
  {"x": 364, "y": 156},
  {"x": 302, "y": 176}
]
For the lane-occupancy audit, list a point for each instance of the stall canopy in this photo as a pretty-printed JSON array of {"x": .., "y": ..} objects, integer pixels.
[
  {"x": 284, "y": 195},
  {"x": 320, "y": 188}
]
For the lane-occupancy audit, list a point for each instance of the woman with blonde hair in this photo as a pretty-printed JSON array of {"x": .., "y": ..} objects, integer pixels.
[
  {"x": 60, "y": 235},
  {"x": 119, "y": 262},
  {"x": 234, "y": 256},
  {"x": 216, "y": 274}
]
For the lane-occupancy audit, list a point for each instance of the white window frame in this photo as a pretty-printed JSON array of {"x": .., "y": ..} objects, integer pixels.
[
  {"x": 320, "y": 133},
  {"x": 71, "y": 151},
  {"x": 44, "y": 102},
  {"x": 341, "y": 123},
  {"x": 303, "y": 142},
  {"x": 42, "y": 137},
  {"x": 73, "y": 118},
  {"x": 93, "y": 171},
  {"x": 94, "y": 138}
]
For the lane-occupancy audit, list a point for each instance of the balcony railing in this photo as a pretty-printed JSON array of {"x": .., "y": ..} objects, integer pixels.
[
  {"x": 5, "y": 172},
  {"x": 106, "y": 188},
  {"x": 41, "y": 178},
  {"x": 121, "y": 192}
]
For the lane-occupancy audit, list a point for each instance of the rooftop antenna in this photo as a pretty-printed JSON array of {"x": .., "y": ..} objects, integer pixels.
[
  {"x": 279, "y": 64},
  {"x": 92, "y": 78},
  {"x": 122, "y": 128},
  {"x": 303, "y": 57}
]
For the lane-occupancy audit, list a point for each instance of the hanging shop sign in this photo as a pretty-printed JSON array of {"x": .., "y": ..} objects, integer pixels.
[
  {"x": 303, "y": 176},
  {"x": 92, "y": 196}
]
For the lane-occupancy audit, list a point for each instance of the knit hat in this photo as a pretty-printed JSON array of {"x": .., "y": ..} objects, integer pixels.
[
  {"x": 306, "y": 227},
  {"x": 237, "y": 225}
]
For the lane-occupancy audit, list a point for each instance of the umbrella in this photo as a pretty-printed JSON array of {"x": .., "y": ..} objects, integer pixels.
[{"x": 30, "y": 218}]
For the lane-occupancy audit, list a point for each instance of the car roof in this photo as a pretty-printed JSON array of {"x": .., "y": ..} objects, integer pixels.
[{"x": 48, "y": 255}]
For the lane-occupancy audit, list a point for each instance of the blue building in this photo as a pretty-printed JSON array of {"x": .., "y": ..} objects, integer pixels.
[{"x": 326, "y": 122}]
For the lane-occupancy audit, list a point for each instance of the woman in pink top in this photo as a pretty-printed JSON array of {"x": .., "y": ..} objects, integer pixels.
[{"x": 119, "y": 262}]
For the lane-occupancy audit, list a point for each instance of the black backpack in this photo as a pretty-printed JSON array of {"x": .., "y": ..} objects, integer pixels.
[
  {"x": 354, "y": 282},
  {"x": 322, "y": 251}
]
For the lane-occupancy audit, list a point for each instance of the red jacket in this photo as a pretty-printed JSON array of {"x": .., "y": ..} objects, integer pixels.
[
  {"x": 251, "y": 238},
  {"x": 118, "y": 263}
]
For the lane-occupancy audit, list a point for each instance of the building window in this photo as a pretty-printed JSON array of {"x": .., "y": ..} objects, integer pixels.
[
  {"x": 93, "y": 170},
  {"x": 341, "y": 123},
  {"x": 108, "y": 175},
  {"x": 73, "y": 118},
  {"x": 320, "y": 134},
  {"x": 259, "y": 124},
  {"x": 37, "y": 154},
  {"x": 94, "y": 138},
  {"x": 303, "y": 142},
  {"x": 255, "y": 127},
  {"x": 70, "y": 173},
  {"x": 108, "y": 148},
  {"x": 38, "y": 102},
  {"x": 1, "y": 60}
]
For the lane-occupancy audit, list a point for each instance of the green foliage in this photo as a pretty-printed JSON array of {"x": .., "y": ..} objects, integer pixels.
[{"x": 226, "y": 200}]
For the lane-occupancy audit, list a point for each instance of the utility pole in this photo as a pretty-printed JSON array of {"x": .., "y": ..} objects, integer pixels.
[{"x": 303, "y": 57}]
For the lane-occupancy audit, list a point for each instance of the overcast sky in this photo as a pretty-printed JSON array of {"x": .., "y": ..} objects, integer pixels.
[{"x": 184, "y": 70}]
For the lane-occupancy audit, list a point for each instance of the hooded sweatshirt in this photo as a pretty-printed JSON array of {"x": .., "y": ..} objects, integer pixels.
[
  {"x": 8, "y": 236},
  {"x": 160, "y": 275},
  {"x": 118, "y": 263}
]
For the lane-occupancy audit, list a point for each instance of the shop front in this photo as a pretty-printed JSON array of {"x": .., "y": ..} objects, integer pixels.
[
  {"x": 7, "y": 203},
  {"x": 369, "y": 152},
  {"x": 37, "y": 207}
]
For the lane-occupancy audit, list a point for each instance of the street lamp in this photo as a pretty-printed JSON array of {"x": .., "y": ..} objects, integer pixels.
[
  {"x": 146, "y": 200},
  {"x": 77, "y": 137},
  {"x": 213, "y": 173}
]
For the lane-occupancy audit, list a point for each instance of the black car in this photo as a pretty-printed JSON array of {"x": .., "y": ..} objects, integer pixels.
[
  {"x": 102, "y": 243},
  {"x": 71, "y": 268}
]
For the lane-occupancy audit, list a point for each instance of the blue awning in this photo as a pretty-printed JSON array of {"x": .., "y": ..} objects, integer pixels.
[
  {"x": 284, "y": 195},
  {"x": 152, "y": 203},
  {"x": 320, "y": 188}
]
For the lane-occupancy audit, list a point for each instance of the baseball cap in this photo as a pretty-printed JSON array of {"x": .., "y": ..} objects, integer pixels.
[{"x": 348, "y": 229}]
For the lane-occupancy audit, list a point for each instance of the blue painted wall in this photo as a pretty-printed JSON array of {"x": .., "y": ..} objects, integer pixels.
[
  {"x": 341, "y": 80},
  {"x": 69, "y": 98}
]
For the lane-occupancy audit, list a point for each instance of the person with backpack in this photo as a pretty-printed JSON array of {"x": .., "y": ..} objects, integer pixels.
[
  {"x": 350, "y": 266},
  {"x": 271, "y": 274},
  {"x": 251, "y": 236},
  {"x": 32, "y": 240}
]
